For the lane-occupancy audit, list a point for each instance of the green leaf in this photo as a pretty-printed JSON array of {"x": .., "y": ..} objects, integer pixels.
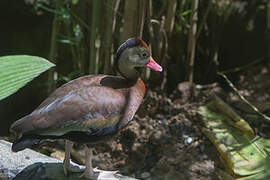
[
  {"x": 186, "y": 12},
  {"x": 244, "y": 155},
  {"x": 16, "y": 71},
  {"x": 74, "y": 2}
]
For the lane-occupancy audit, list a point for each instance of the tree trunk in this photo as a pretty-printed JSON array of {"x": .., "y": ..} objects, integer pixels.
[{"x": 192, "y": 40}]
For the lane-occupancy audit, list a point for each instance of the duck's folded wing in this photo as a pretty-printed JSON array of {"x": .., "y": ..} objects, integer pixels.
[
  {"x": 69, "y": 87},
  {"x": 88, "y": 109}
]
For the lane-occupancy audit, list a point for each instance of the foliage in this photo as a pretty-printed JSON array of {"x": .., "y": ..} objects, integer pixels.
[
  {"x": 244, "y": 156},
  {"x": 87, "y": 34},
  {"x": 16, "y": 71}
]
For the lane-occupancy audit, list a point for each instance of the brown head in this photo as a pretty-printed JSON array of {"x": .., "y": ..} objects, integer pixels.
[{"x": 134, "y": 54}]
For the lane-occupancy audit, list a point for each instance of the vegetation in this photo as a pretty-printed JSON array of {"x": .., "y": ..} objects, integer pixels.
[
  {"x": 198, "y": 43},
  {"x": 91, "y": 37},
  {"x": 189, "y": 35},
  {"x": 243, "y": 155},
  {"x": 16, "y": 71}
]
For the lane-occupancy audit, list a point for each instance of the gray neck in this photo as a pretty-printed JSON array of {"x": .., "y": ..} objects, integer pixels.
[{"x": 127, "y": 70}]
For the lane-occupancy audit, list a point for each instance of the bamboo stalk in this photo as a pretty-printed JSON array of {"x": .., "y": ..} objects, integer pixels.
[
  {"x": 78, "y": 14},
  {"x": 52, "y": 74},
  {"x": 169, "y": 22},
  {"x": 192, "y": 40},
  {"x": 140, "y": 18},
  {"x": 97, "y": 46},
  {"x": 130, "y": 21},
  {"x": 94, "y": 31},
  {"x": 109, "y": 28},
  {"x": 268, "y": 28},
  {"x": 75, "y": 60},
  {"x": 166, "y": 32}
]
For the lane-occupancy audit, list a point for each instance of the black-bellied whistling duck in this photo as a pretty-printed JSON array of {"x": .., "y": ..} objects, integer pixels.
[{"x": 89, "y": 109}]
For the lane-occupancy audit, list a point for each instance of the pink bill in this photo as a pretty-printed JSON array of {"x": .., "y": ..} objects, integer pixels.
[{"x": 153, "y": 65}]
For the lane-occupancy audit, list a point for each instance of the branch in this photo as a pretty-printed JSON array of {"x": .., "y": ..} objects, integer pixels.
[{"x": 243, "y": 98}]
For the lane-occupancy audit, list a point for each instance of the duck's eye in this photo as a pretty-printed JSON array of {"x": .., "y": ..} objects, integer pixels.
[{"x": 144, "y": 54}]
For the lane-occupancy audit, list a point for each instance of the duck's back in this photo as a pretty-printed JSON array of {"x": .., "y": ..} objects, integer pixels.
[{"x": 83, "y": 110}]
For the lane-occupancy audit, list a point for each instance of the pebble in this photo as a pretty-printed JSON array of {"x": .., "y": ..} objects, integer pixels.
[
  {"x": 188, "y": 140},
  {"x": 145, "y": 175}
]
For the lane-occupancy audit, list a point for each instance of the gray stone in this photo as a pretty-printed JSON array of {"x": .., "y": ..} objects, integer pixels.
[
  {"x": 28, "y": 164},
  {"x": 145, "y": 175}
]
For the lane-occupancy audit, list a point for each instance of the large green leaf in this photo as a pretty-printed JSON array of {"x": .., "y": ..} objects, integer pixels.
[
  {"x": 16, "y": 71},
  {"x": 245, "y": 156}
]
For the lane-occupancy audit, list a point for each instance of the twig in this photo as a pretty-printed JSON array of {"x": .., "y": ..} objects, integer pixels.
[
  {"x": 243, "y": 98},
  {"x": 256, "y": 61}
]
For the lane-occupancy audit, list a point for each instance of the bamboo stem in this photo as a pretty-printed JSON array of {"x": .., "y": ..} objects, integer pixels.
[
  {"x": 109, "y": 26},
  {"x": 268, "y": 28},
  {"x": 169, "y": 22},
  {"x": 192, "y": 40},
  {"x": 94, "y": 30},
  {"x": 52, "y": 74}
]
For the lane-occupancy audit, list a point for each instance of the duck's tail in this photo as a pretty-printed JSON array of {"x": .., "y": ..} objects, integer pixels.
[{"x": 25, "y": 142}]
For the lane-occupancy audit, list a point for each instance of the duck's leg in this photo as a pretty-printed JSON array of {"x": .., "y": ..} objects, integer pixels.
[
  {"x": 66, "y": 164},
  {"x": 88, "y": 172}
]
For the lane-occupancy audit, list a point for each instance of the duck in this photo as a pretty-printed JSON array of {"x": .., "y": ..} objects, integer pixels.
[{"x": 90, "y": 109}]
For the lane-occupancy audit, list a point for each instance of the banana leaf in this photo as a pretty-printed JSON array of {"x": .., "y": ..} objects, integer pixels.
[
  {"x": 16, "y": 71},
  {"x": 244, "y": 155}
]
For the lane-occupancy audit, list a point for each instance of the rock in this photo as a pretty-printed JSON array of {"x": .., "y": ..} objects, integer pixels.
[
  {"x": 145, "y": 175},
  {"x": 28, "y": 164},
  {"x": 13, "y": 163},
  {"x": 186, "y": 90}
]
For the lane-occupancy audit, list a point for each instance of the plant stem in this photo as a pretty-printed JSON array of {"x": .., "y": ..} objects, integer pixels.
[
  {"x": 52, "y": 74},
  {"x": 94, "y": 30},
  {"x": 192, "y": 40}
]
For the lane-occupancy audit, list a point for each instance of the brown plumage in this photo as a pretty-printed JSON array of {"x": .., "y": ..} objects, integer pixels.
[
  {"x": 74, "y": 105},
  {"x": 91, "y": 108}
]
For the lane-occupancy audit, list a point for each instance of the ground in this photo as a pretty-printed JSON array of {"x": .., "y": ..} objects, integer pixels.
[{"x": 164, "y": 140}]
